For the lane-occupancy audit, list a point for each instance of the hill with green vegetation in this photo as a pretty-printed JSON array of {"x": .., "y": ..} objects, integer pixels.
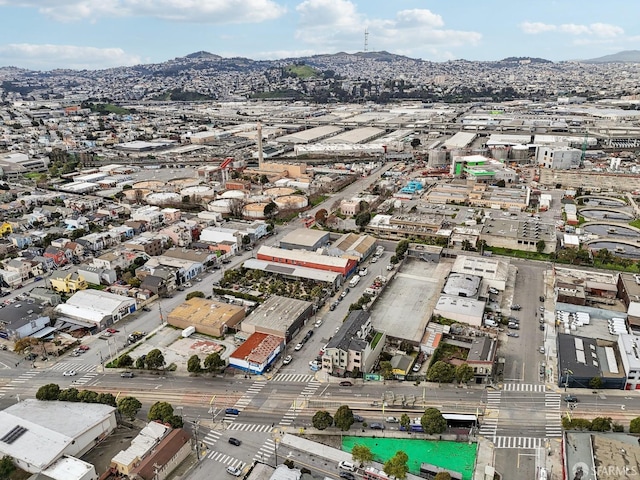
[
  {"x": 300, "y": 71},
  {"x": 177, "y": 95}
]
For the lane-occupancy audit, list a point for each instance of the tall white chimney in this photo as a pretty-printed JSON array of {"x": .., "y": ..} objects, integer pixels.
[{"x": 260, "y": 153}]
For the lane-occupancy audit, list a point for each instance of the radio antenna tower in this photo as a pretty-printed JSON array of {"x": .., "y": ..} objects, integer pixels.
[{"x": 366, "y": 39}]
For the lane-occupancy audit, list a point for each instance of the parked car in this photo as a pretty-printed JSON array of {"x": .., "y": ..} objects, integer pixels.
[
  {"x": 358, "y": 418},
  {"x": 376, "y": 426},
  {"x": 83, "y": 347},
  {"x": 417, "y": 367},
  {"x": 512, "y": 334},
  {"x": 187, "y": 285},
  {"x": 513, "y": 326},
  {"x": 516, "y": 307},
  {"x": 343, "y": 294},
  {"x": 235, "y": 471},
  {"x": 287, "y": 360},
  {"x": 346, "y": 383},
  {"x": 146, "y": 309},
  {"x": 391, "y": 420},
  {"x": 318, "y": 323},
  {"x": 232, "y": 411},
  {"x": 235, "y": 441},
  {"x": 347, "y": 476},
  {"x": 112, "y": 330},
  {"x": 127, "y": 375},
  {"x": 542, "y": 298},
  {"x": 344, "y": 465},
  {"x": 298, "y": 347}
]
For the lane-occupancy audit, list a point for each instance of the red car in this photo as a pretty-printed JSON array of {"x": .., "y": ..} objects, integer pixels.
[
  {"x": 83, "y": 347},
  {"x": 112, "y": 330}
]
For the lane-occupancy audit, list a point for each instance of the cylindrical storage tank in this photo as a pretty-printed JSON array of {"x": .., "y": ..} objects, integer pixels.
[
  {"x": 500, "y": 153},
  {"x": 183, "y": 182},
  {"x": 222, "y": 206},
  {"x": 520, "y": 153},
  {"x": 162, "y": 198},
  {"x": 132, "y": 194},
  {"x": 237, "y": 194},
  {"x": 279, "y": 192},
  {"x": 291, "y": 202},
  {"x": 197, "y": 192},
  {"x": 437, "y": 157},
  {"x": 259, "y": 199},
  {"x": 149, "y": 185},
  {"x": 254, "y": 210}
]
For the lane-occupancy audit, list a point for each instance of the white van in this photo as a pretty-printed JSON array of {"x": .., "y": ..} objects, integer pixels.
[
  {"x": 344, "y": 465},
  {"x": 490, "y": 323}
]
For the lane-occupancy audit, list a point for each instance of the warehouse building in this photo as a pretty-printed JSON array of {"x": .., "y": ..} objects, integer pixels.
[
  {"x": 95, "y": 309},
  {"x": 459, "y": 309},
  {"x": 305, "y": 239},
  {"x": 38, "y": 435},
  {"x": 279, "y": 316},
  {"x": 207, "y": 316},
  {"x": 303, "y": 258}
]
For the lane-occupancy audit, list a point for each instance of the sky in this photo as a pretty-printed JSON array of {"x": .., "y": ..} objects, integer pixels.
[{"x": 97, "y": 34}]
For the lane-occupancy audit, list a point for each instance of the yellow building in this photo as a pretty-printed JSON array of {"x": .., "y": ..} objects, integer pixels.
[
  {"x": 6, "y": 229},
  {"x": 207, "y": 316},
  {"x": 67, "y": 283}
]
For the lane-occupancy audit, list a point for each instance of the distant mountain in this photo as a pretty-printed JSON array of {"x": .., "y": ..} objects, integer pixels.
[
  {"x": 202, "y": 55},
  {"x": 627, "y": 56}
]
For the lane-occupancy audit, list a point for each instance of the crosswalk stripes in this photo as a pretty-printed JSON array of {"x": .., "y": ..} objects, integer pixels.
[
  {"x": 245, "y": 400},
  {"x": 489, "y": 427},
  {"x": 250, "y": 427},
  {"x": 552, "y": 400},
  {"x": 19, "y": 380},
  {"x": 85, "y": 379},
  {"x": 553, "y": 427},
  {"x": 493, "y": 399},
  {"x": 523, "y": 387},
  {"x": 311, "y": 388},
  {"x": 226, "y": 459},
  {"x": 293, "y": 377},
  {"x": 212, "y": 437},
  {"x": 77, "y": 366},
  {"x": 265, "y": 451},
  {"x": 518, "y": 442}
]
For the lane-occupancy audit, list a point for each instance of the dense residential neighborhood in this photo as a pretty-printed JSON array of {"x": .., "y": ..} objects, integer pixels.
[{"x": 426, "y": 257}]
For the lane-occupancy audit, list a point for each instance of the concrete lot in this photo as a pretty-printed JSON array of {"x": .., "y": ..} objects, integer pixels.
[{"x": 405, "y": 307}]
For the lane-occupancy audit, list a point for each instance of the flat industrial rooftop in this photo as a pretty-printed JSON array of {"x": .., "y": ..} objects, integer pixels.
[{"x": 405, "y": 307}]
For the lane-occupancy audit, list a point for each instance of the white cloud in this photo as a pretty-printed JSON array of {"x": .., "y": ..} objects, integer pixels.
[
  {"x": 47, "y": 57},
  {"x": 194, "y": 11},
  {"x": 599, "y": 30},
  {"x": 336, "y": 25}
]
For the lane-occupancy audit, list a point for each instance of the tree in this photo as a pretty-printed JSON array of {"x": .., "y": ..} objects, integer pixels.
[
  {"x": 213, "y": 362},
  {"x": 155, "y": 359},
  {"x": 193, "y": 364},
  {"x": 7, "y": 467},
  {"x": 501, "y": 183},
  {"x": 270, "y": 209},
  {"x": 601, "y": 424},
  {"x": 69, "y": 395},
  {"x": 432, "y": 421},
  {"x": 595, "y": 383},
  {"x": 50, "y": 391},
  {"x": 361, "y": 454},
  {"x": 363, "y": 219},
  {"x": 107, "y": 399},
  {"x": 442, "y": 476},
  {"x": 343, "y": 419},
  {"x": 321, "y": 216},
  {"x": 397, "y": 465},
  {"x": 386, "y": 369},
  {"x": 463, "y": 373},
  {"x": 540, "y": 246},
  {"x": 129, "y": 407},
  {"x": 322, "y": 420},
  {"x": 175, "y": 421},
  {"x": 162, "y": 411},
  {"x": 195, "y": 294},
  {"x": 415, "y": 143},
  {"x": 441, "y": 372},
  {"x": 634, "y": 425},
  {"x": 401, "y": 248},
  {"x": 124, "y": 361},
  {"x": 140, "y": 363},
  {"x": 405, "y": 421},
  {"x": 24, "y": 344},
  {"x": 88, "y": 396}
]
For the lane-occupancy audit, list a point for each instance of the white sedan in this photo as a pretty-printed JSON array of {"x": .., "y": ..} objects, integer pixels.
[{"x": 69, "y": 373}]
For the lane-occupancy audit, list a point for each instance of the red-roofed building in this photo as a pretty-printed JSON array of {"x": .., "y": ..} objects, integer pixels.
[
  {"x": 165, "y": 457},
  {"x": 256, "y": 353}
]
